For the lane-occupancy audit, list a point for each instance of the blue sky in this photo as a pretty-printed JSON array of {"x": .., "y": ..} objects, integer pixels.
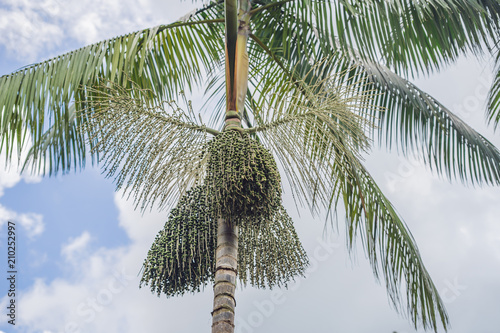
[{"x": 81, "y": 244}]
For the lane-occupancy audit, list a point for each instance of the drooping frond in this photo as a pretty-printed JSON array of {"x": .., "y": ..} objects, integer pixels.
[
  {"x": 304, "y": 127},
  {"x": 406, "y": 116},
  {"x": 388, "y": 244},
  {"x": 35, "y": 101},
  {"x": 410, "y": 36},
  {"x": 154, "y": 153},
  {"x": 418, "y": 123},
  {"x": 61, "y": 146},
  {"x": 493, "y": 110},
  {"x": 317, "y": 135}
]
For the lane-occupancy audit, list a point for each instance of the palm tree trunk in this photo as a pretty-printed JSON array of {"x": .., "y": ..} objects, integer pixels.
[
  {"x": 226, "y": 269},
  {"x": 237, "y": 31},
  {"x": 237, "y": 14}
]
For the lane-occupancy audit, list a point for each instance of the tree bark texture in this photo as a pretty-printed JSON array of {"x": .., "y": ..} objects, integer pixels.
[
  {"x": 225, "y": 277},
  {"x": 237, "y": 17}
]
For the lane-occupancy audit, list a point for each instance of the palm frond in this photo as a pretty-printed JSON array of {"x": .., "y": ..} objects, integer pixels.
[
  {"x": 318, "y": 138},
  {"x": 165, "y": 60},
  {"x": 493, "y": 110},
  {"x": 328, "y": 132},
  {"x": 155, "y": 154},
  {"x": 389, "y": 245},
  {"x": 61, "y": 146},
  {"x": 418, "y": 123},
  {"x": 410, "y": 36},
  {"x": 304, "y": 127},
  {"x": 413, "y": 120}
]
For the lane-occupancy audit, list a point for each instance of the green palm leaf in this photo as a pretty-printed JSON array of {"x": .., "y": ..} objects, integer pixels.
[
  {"x": 412, "y": 119},
  {"x": 61, "y": 146},
  {"x": 493, "y": 111},
  {"x": 165, "y": 60},
  {"x": 155, "y": 154},
  {"x": 318, "y": 138},
  {"x": 417, "y": 122},
  {"x": 411, "y": 36},
  {"x": 389, "y": 245},
  {"x": 304, "y": 128},
  {"x": 315, "y": 125},
  {"x": 408, "y": 36}
]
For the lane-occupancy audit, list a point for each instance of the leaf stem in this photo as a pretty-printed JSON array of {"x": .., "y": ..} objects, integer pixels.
[
  {"x": 276, "y": 59},
  {"x": 256, "y": 10}
]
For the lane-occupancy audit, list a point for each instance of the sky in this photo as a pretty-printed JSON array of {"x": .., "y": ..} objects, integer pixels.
[{"x": 80, "y": 245}]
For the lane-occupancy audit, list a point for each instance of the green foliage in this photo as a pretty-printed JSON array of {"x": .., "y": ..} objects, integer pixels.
[
  {"x": 156, "y": 156},
  {"x": 407, "y": 117},
  {"x": 37, "y": 102},
  {"x": 306, "y": 126},
  {"x": 413, "y": 36},
  {"x": 493, "y": 111},
  {"x": 318, "y": 135},
  {"x": 389, "y": 245}
]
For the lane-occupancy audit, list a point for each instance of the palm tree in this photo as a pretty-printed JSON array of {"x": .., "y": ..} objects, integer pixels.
[{"x": 301, "y": 80}]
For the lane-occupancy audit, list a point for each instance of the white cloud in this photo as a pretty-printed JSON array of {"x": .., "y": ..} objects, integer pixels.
[
  {"x": 76, "y": 245},
  {"x": 10, "y": 176},
  {"x": 10, "y": 173},
  {"x": 32, "y": 223},
  {"x": 102, "y": 294},
  {"x": 29, "y": 28},
  {"x": 24, "y": 32}
]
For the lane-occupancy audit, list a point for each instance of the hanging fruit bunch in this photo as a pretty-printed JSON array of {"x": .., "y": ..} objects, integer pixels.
[
  {"x": 242, "y": 185},
  {"x": 242, "y": 179}
]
